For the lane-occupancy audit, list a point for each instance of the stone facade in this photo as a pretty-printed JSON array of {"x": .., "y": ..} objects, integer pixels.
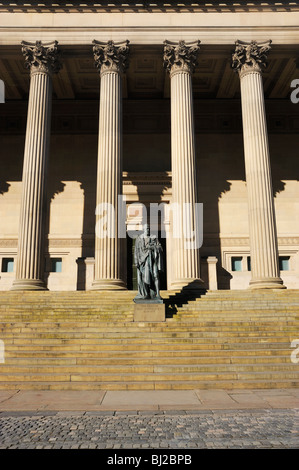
[{"x": 159, "y": 105}]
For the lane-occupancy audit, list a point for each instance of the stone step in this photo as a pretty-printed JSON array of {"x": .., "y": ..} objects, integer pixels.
[
  {"x": 187, "y": 317},
  {"x": 96, "y": 321},
  {"x": 147, "y": 341},
  {"x": 170, "y": 325},
  {"x": 234, "y": 306},
  {"x": 58, "y": 318},
  {"x": 126, "y": 333},
  {"x": 19, "y": 326},
  {"x": 126, "y": 354},
  {"x": 169, "y": 296},
  {"x": 275, "y": 311},
  {"x": 76, "y": 299},
  {"x": 149, "y": 346},
  {"x": 250, "y": 293},
  {"x": 75, "y": 359},
  {"x": 88, "y": 341},
  {"x": 184, "y": 385},
  {"x": 99, "y": 369},
  {"x": 161, "y": 385},
  {"x": 249, "y": 316},
  {"x": 151, "y": 377}
]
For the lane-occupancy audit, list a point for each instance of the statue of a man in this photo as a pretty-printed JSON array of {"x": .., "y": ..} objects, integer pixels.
[{"x": 149, "y": 261}]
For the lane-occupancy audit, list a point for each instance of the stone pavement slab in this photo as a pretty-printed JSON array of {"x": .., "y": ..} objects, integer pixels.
[
  {"x": 52, "y": 400},
  {"x": 216, "y": 399},
  {"x": 151, "y": 397},
  {"x": 148, "y": 400}
]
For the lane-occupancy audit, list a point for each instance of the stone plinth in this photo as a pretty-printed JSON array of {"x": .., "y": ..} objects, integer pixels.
[
  {"x": 150, "y": 312},
  {"x": 212, "y": 272}
]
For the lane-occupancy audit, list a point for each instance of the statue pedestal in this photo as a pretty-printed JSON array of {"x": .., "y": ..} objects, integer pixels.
[{"x": 149, "y": 312}]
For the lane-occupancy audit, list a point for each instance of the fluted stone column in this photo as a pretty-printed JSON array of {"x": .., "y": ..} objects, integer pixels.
[
  {"x": 43, "y": 61},
  {"x": 111, "y": 61},
  {"x": 180, "y": 61},
  {"x": 248, "y": 60}
]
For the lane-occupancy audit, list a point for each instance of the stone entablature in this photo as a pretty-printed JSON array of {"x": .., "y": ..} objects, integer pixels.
[
  {"x": 181, "y": 6},
  {"x": 213, "y": 27}
]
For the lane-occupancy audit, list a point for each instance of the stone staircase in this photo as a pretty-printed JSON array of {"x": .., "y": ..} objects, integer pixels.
[{"x": 88, "y": 341}]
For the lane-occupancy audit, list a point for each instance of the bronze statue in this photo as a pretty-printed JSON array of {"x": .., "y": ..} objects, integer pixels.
[{"x": 149, "y": 261}]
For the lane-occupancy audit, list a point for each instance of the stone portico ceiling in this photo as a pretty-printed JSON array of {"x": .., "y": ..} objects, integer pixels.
[{"x": 146, "y": 78}]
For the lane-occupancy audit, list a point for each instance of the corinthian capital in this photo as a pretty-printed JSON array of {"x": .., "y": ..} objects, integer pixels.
[
  {"x": 181, "y": 56},
  {"x": 41, "y": 57},
  {"x": 109, "y": 56},
  {"x": 250, "y": 57}
]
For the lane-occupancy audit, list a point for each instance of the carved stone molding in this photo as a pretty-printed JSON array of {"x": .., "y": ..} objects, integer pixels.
[
  {"x": 235, "y": 241},
  {"x": 110, "y": 56},
  {"x": 65, "y": 243},
  {"x": 250, "y": 57},
  {"x": 209, "y": 240},
  {"x": 41, "y": 57},
  {"x": 9, "y": 243},
  {"x": 181, "y": 56},
  {"x": 288, "y": 240},
  {"x": 145, "y": 178},
  {"x": 244, "y": 241}
]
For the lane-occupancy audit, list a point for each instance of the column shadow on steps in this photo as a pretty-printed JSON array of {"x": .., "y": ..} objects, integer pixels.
[{"x": 181, "y": 298}]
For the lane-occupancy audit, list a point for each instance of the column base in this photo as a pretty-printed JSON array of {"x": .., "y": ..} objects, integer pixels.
[
  {"x": 268, "y": 283},
  {"x": 29, "y": 284},
  {"x": 108, "y": 284},
  {"x": 187, "y": 285}
]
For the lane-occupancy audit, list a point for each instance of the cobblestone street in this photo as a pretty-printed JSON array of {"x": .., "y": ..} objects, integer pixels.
[{"x": 219, "y": 429}]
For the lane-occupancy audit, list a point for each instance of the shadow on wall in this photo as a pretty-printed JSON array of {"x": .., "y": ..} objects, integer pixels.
[
  {"x": 284, "y": 167},
  {"x": 11, "y": 164},
  {"x": 220, "y": 160},
  {"x": 53, "y": 188},
  {"x": 75, "y": 161},
  {"x": 215, "y": 167},
  {"x": 4, "y": 186}
]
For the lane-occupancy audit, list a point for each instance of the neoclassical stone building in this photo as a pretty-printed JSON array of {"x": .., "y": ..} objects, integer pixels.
[{"x": 163, "y": 102}]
